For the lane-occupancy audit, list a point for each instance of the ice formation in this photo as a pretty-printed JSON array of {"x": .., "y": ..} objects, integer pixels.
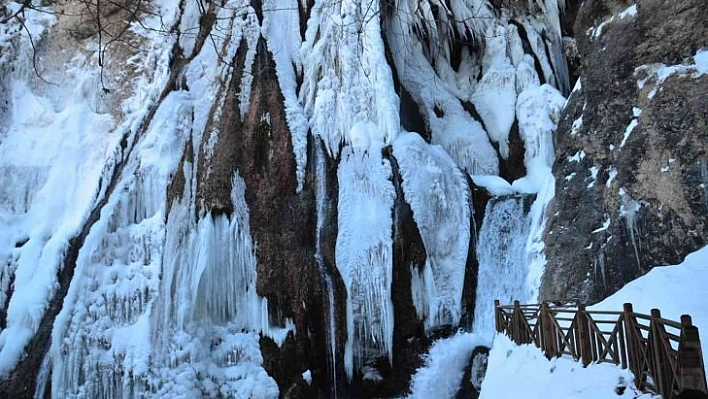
[
  {"x": 364, "y": 253},
  {"x": 439, "y": 197},
  {"x": 502, "y": 256},
  {"x": 346, "y": 79}
]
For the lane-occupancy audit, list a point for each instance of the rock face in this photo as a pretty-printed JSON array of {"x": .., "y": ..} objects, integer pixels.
[{"x": 631, "y": 148}]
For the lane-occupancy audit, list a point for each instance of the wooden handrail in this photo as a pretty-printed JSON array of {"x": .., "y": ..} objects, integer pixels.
[{"x": 664, "y": 362}]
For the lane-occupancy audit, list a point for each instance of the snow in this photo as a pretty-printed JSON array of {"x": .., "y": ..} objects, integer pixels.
[
  {"x": 701, "y": 61},
  {"x": 658, "y": 73},
  {"x": 674, "y": 290},
  {"x": 597, "y": 32},
  {"x": 534, "y": 376},
  {"x": 495, "y": 185},
  {"x": 605, "y": 225},
  {"x": 611, "y": 176},
  {"x": 630, "y": 11},
  {"x": 594, "y": 170},
  {"x": 577, "y": 157},
  {"x": 307, "y": 376}
]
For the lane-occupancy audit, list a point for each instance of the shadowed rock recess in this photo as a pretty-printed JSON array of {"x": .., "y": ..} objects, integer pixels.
[{"x": 283, "y": 198}]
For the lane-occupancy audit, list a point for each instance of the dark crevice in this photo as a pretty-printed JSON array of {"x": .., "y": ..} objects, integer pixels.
[
  {"x": 528, "y": 50},
  {"x": 472, "y": 110},
  {"x": 409, "y": 340},
  {"x": 478, "y": 203},
  {"x": 411, "y": 118},
  {"x": 257, "y": 6},
  {"x": 3, "y": 306},
  {"x": 513, "y": 168},
  {"x": 305, "y": 14}
]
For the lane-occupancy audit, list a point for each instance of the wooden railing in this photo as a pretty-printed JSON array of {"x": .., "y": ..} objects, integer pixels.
[{"x": 664, "y": 356}]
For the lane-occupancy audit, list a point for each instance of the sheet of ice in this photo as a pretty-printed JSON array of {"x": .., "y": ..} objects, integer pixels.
[
  {"x": 64, "y": 149},
  {"x": 538, "y": 46},
  {"x": 323, "y": 203},
  {"x": 163, "y": 304},
  {"x": 438, "y": 194},
  {"x": 538, "y": 111},
  {"x": 364, "y": 252},
  {"x": 452, "y": 127}
]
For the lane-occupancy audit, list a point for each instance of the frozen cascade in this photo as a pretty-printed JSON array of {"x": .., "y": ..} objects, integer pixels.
[
  {"x": 502, "y": 256},
  {"x": 364, "y": 253},
  {"x": 209, "y": 314},
  {"x": 346, "y": 79},
  {"x": 438, "y": 194},
  {"x": 321, "y": 200},
  {"x": 133, "y": 323}
]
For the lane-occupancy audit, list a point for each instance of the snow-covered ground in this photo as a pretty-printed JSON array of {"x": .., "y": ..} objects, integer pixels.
[{"x": 524, "y": 372}]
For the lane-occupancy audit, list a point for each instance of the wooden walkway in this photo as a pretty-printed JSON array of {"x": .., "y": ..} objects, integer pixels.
[{"x": 664, "y": 355}]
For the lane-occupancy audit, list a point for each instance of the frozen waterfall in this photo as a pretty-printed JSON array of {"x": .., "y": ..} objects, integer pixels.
[{"x": 503, "y": 260}]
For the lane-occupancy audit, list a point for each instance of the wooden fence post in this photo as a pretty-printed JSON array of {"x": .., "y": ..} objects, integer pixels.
[
  {"x": 497, "y": 316},
  {"x": 546, "y": 331},
  {"x": 516, "y": 323},
  {"x": 584, "y": 335},
  {"x": 691, "y": 372},
  {"x": 661, "y": 370},
  {"x": 630, "y": 334}
]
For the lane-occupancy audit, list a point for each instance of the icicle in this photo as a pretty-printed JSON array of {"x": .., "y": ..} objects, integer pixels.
[
  {"x": 364, "y": 253},
  {"x": 43, "y": 376},
  {"x": 628, "y": 210}
]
